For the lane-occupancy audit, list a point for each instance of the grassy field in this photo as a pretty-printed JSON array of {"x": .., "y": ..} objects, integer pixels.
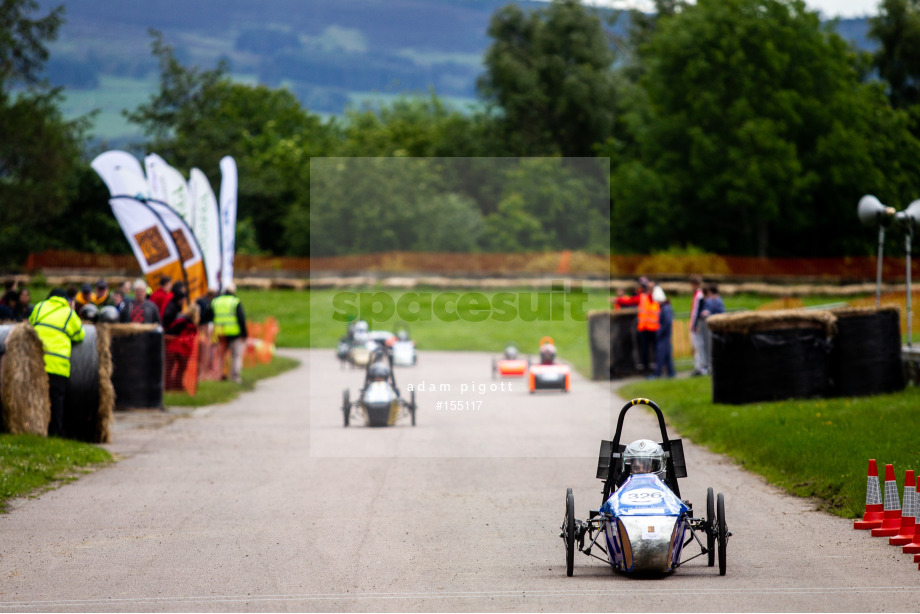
[
  {"x": 30, "y": 463},
  {"x": 811, "y": 448},
  {"x": 306, "y": 320}
]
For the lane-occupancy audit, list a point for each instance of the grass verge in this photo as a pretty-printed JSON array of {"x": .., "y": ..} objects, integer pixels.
[
  {"x": 811, "y": 448},
  {"x": 212, "y": 392},
  {"x": 30, "y": 463}
]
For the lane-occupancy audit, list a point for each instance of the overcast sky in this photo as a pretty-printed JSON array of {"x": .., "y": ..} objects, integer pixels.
[{"x": 828, "y": 8}]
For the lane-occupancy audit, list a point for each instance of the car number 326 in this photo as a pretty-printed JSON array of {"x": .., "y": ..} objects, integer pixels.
[{"x": 642, "y": 496}]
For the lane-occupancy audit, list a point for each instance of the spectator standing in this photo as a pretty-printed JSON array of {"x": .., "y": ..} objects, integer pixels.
[
  {"x": 163, "y": 294},
  {"x": 176, "y": 304},
  {"x": 140, "y": 310},
  {"x": 647, "y": 327},
  {"x": 700, "y": 358},
  {"x": 230, "y": 328},
  {"x": 100, "y": 296},
  {"x": 204, "y": 306},
  {"x": 23, "y": 306},
  {"x": 182, "y": 335},
  {"x": 664, "y": 352},
  {"x": 712, "y": 305},
  {"x": 119, "y": 299},
  {"x": 8, "y": 305},
  {"x": 647, "y": 322},
  {"x": 84, "y": 297},
  {"x": 58, "y": 327}
]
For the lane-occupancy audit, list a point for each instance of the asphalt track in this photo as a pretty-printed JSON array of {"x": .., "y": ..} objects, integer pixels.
[{"x": 245, "y": 507}]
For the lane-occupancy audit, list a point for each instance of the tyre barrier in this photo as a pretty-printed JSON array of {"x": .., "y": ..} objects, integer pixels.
[
  {"x": 866, "y": 358},
  {"x": 768, "y": 356},
  {"x": 90, "y": 395},
  {"x": 612, "y": 336},
  {"x": 137, "y": 365}
]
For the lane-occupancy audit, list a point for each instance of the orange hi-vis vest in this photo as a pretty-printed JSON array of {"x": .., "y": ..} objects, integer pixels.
[{"x": 648, "y": 313}]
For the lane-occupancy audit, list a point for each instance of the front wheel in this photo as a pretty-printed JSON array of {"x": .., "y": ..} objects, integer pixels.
[
  {"x": 346, "y": 406},
  {"x": 711, "y": 529},
  {"x": 412, "y": 406},
  {"x": 569, "y": 533},
  {"x": 723, "y": 532}
]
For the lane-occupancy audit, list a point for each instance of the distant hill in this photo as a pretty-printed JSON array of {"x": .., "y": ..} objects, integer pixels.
[{"x": 330, "y": 53}]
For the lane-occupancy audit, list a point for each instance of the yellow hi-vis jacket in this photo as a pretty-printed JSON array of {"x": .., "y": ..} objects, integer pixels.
[
  {"x": 225, "y": 322},
  {"x": 58, "y": 326}
]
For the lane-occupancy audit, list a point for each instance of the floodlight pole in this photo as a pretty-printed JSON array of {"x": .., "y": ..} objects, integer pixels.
[
  {"x": 878, "y": 273},
  {"x": 908, "y": 240}
]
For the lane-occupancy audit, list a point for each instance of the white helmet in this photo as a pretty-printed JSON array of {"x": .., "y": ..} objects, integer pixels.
[{"x": 645, "y": 456}]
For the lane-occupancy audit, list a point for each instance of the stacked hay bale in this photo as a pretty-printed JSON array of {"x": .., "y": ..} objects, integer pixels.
[
  {"x": 612, "y": 336},
  {"x": 25, "y": 406},
  {"x": 137, "y": 365},
  {"x": 765, "y": 356},
  {"x": 867, "y": 351}
]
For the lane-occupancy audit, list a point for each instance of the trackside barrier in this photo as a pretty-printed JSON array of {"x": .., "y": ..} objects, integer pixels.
[
  {"x": 891, "y": 522},
  {"x": 874, "y": 514},
  {"x": 190, "y": 359},
  {"x": 260, "y": 345},
  {"x": 908, "y": 512}
]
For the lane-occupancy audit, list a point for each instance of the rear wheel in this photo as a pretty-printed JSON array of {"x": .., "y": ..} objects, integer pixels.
[
  {"x": 494, "y": 369},
  {"x": 412, "y": 406},
  {"x": 569, "y": 532},
  {"x": 711, "y": 531},
  {"x": 723, "y": 532},
  {"x": 346, "y": 406}
]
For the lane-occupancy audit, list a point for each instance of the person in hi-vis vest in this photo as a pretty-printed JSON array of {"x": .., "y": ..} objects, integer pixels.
[
  {"x": 230, "y": 328},
  {"x": 59, "y": 327}
]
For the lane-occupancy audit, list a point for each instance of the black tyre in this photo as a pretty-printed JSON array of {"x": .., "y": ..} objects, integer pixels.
[
  {"x": 412, "y": 406},
  {"x": 723, "y": 532},
  {"x": 569, "y": 533},
  {"x": 494, "y": 369},
  {"x": 346, "y": 406},
  {"x": 711, "y": 532}
]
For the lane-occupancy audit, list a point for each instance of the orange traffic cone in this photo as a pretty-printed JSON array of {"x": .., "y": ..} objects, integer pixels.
[
  {"x": 874, "y": 510},
  {"x": 914, "y": 546},
  {"x": 891, "y": 520},
  {"x": 908, "y": 512}
]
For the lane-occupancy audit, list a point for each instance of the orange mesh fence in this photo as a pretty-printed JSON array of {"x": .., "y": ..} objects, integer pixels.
[
  {"x": 260, "y": 346},
  {"x": 181, "y": 363},
  {"x": 210, "y": 357},
  {"x": 546, "y": 263}
]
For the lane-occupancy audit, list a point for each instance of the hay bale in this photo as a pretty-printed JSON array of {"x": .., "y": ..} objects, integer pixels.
[
  {"x": 137, "y": 365},
  {"x": 102, "y": 433},
  {"x": 24, "y": 401},
  {"x": 867, "y": 351},
  {"x": 766, "y": 356}
]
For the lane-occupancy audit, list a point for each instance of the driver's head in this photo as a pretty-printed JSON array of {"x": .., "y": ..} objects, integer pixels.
[
  {"x": 379, "y": 372},
  {"x": 644, "y": 456},
  {"x": 511, "y": 352},
  {"x": 548, "y": 352}
]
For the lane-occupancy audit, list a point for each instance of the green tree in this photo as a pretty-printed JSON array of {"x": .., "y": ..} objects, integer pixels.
[
  {"x": 897, "y": 29},
  {"x": 39, "y": 151},
  {"x": 756, "y": 133},
  {"x": 199, "y": 116},
  {"x": 548, "y": 75}
]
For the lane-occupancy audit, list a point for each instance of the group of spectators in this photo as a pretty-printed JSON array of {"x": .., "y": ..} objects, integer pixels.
[
  {"x": 655, "y": 325},
  {"x": 59, "y": 319},
  {"x": 15, "y": 303}
]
